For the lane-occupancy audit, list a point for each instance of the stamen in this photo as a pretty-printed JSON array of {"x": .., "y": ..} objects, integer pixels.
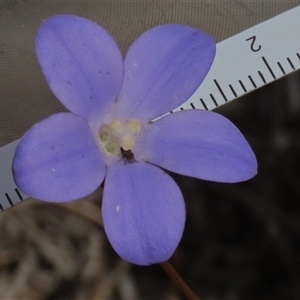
[{"x": 118, "y": 135}]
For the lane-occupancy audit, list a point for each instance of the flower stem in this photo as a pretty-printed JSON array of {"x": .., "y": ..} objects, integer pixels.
[{"x": 179, "y": 282}]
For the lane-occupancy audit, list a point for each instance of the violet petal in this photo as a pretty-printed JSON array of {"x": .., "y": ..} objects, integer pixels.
[
  {"x": 143, "y": 212},
  {"x": 163, "y": 68},
  {"x": 200, "y": 144},
  {"x": 58, "y": 159},
  {"x": 81, "y": 63}
]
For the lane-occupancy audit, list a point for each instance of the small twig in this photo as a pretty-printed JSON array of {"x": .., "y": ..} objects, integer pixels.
[{"x": 179, "y": 282}]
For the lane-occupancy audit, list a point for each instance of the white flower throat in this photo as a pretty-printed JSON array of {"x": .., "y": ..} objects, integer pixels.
[{"x": 119, "y": 134}]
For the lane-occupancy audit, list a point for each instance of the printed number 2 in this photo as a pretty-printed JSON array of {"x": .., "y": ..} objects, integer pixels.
[{"x": 253, "y": 38}]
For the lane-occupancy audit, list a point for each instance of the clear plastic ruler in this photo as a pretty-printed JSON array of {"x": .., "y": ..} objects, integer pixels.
[{"x": 243, "y": 63}]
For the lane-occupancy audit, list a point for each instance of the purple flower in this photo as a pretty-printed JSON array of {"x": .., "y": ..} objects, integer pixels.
[{"x": 108, "y": 132}]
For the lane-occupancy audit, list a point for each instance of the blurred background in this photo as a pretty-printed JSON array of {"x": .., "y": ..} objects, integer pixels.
[{"x": 241, "y": 241}]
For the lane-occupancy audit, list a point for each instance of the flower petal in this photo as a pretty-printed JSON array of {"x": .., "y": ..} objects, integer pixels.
[
  {"x": 81, "y": 63},
  {"x": 197, "y": 143},
  {"x": 163, "y": 68},
  {"x": 143, "y": 212},
  {"x": 58, "y": 159}
]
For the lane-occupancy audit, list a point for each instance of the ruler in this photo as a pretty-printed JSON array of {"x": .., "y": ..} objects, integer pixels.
[{"x": 243, "y": 63}]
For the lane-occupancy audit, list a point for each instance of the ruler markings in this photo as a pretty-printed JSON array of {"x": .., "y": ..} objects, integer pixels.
[
  {"x": 291, "y": 64},
  {"x": 281, "y": 68},
  {"x": 252, "y": 81},
  {"x": 203, "y": 103},
  {"x": 8, "y": 199},
  {"x": 262, "y": 77},
  {"x": 242, "y": 85},
  {"x": 213, "y": 99},
  {"x": 220, "y": 90},
  {"x": 196, "y": 104},
  {"x": 19, "y": 194},
  {"x": 268, "y": 66},
  {"x": 233, "y": 91},
  {"x": 252, "y": 53},
  {"x": 296, "y": 62},
  {"x": 239, "y": 67}
]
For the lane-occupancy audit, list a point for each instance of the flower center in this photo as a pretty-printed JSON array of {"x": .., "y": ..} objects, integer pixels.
[{"x": 119, "y": 134}]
